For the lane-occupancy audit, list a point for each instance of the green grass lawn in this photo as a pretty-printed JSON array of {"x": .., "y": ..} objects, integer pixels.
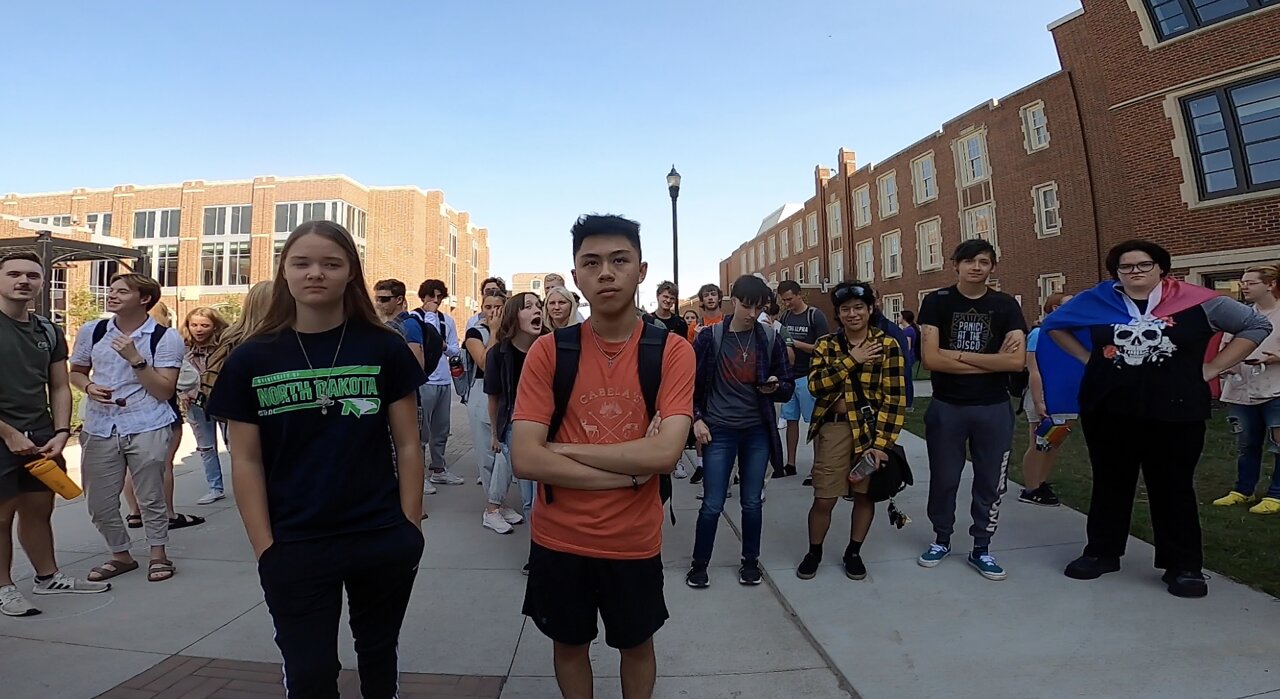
[{"x": 1241, "y": 545}]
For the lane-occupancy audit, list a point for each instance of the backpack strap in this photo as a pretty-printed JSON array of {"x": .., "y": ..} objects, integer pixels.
[
  {"x": 99, "y": 331},
  {"x": 156, "y": 336},
  {"x": 50, "y": 332},
  {"x": 568, "y": 352},
  {"x": 653, "y": 345}
]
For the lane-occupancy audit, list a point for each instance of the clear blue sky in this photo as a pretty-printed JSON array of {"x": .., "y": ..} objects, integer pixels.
[{"x": 525, "y": 114}]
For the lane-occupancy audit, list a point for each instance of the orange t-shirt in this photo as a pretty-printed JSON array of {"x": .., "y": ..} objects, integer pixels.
[
  {"x": 606, "y": 407},
  {"x": 708, "y": 321}
]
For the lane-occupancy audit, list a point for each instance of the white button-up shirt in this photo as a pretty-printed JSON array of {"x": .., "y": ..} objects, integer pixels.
[{"x": 142, "y": 412}]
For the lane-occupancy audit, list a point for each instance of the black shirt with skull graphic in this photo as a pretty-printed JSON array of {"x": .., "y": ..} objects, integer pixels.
[{"x": 1153, "y": 368}]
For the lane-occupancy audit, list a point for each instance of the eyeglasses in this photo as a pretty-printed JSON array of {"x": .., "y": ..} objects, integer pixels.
[
  {"x": 383, "y": 299},
  {"x": 1137, "y": 267}
]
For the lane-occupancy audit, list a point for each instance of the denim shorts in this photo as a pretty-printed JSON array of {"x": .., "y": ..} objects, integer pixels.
[{"x": 800, "y": 407}]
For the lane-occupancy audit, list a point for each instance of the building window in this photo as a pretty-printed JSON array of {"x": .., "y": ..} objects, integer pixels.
[
  {"x": 760, "y": 263},
  {"x": 784, "y": 237},
  {"x": 1236, "y": 132},
  {"x": 773, "y": 249},
  {"x": 164, "y": 263},
  {"x": 980, "y": 222},
  {"x": 815, "y": 273},
  {"x": 811, "y": 222},
  {"x": 891, "y": 251},
  {"x": 100, "y": 224},
  {"x": 924, "y": 178},
  {"x": 162, "y": 223},
  {"x": 225, "y": 263},
  {"x": 1035, "y": 127},
  {"x": 453, "y": 241},
  {"x": 929, "y": 244},
  {"x": 278, "y": 251},
  {"x": 862, "y": 206},
  {"x": 1174, "y": 17},
  {"x": 971, "y": 152},
  {"x": 751, "y": 260},
  {"x": 784, "y": 274},
  {"x": 227, "y": 220},
  {"x": 797, "y": 232},
  {"x": 864, "y": 254},
  {"x": 742, "y": 263},
  {"x": 773, "y": 278},
  {"x": 800, "y": 274},
  {"x": 835, "y": 266},
  {"x": 892, "y": 306},
  {"x": 835, "y": 226},
  {"x": 1051, "y": 284},
  {"x": 887, "y": 186},
  {"x": 1048, "y": 222},
  {"x": 921, "y": 294},
  {"x": 63, "y": 221}
]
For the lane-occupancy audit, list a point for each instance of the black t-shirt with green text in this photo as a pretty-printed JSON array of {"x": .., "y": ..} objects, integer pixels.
[
  {"x": 326, "y": 441},
  {"x": 978, "y": 326}
]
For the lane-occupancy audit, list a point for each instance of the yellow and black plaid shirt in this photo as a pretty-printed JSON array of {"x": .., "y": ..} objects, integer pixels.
[{"x": 884, "y": 383}]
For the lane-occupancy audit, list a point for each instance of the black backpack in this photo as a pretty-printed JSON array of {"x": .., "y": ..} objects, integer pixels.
[{"x": 653, "y": 344}]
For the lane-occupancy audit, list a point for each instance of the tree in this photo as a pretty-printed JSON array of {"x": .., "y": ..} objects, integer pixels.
[{"x": 229, "y": 307}]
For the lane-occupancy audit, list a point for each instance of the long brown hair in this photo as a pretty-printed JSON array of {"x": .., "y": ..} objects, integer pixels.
[
  {"x": 283, "y": 311},
  {"x": 509, "y": 323},
  {"x": 213, "y": 316}
]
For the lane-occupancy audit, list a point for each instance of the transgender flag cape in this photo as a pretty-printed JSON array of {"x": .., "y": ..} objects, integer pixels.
[{"x": 1104, "y": 304}]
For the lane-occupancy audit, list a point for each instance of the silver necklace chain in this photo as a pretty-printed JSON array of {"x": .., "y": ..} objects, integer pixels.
[
  {"x": 734, "y": 334},
  {"x": 611, "y": 358},
  {"x": 322, "y": 399}
]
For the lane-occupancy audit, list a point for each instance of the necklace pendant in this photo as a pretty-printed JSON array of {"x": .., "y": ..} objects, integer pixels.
[
  {"x": 744, "y": 356},
  {"x": 324, "y": 401}
]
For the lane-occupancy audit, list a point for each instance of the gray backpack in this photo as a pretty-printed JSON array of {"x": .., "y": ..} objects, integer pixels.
[
  {"x": 462, "y": 384},
  {"x": 717, "y": 334}
]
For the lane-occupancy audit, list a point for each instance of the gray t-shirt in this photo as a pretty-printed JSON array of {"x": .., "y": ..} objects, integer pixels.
[
  {"x": 733, "y": 402},
  {"x": 804, "y": 327},
  {"x": 24, "y": 397}
]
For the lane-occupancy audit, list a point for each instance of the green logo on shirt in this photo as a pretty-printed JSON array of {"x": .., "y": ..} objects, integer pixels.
[{"x": 355, "y": 388}]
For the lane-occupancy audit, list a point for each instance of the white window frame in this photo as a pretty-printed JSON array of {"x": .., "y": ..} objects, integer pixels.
[
  {"x": 760, "y": 259},
  {"x": 231, "y": 238},
  {"x": 1048, "y": 285},
  {"x": 797, "y": 234},
  {"x": 892, "y": 305},
  {"x": 865, "y": 258},
  {"x": 811, "y": 222},
  {"x": 862, "y": 206},
  {"x": 887, "y": 193},
  {"x": 773, "y": 250},
  {"x": 891, "y": 259},
  {"x": 799, "y": 269},
  {"x": 835, "y": 224},
  {"x": 815, "y": 271},
  {"x": 152, "y": 251},
  {"x": 773, "y": 277},
  {"x": 965, "y": 160},
  {"x": 751, "y": 259},
  {"x": 924, "y": 188},
  {"x": 784, "y": 274},
  {"x": 95, "y": 222},
  {"x": 1048, "y": 218},
  {"x": 927, "y": 261},
  {"x": 1035, "y": 127},
  {"x": 969, "y": 224},
  {"x": 784, "y": 241},
  {"x": 742, "y": 263},
  {"x": 835, "y": 266},
  {"x": 923, "y": 293},
  {"x": 56, "y": 220}
]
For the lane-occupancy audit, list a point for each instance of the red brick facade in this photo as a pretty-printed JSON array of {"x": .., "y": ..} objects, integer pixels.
[{"x": 1116, "y": 151}]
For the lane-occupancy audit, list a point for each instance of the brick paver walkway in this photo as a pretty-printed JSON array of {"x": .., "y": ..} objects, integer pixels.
[{"x": 183, "y": 677}]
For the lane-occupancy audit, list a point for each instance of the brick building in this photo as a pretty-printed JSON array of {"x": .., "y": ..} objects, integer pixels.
[
  {"x": 207, "y": 242},
  {"x": 536, "y": 282},
  {"x": 1168, "y": 130}
]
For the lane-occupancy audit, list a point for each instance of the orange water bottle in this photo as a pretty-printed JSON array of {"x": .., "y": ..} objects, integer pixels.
[{"x": 55, "y": 478}]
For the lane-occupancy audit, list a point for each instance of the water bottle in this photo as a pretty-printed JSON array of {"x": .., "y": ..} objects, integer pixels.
[
  {"x": 867, "y": 465},
  {"x": 55, "y": 478}
]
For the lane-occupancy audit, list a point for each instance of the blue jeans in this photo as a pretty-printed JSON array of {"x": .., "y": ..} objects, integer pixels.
[
  {"x": 750, "y": 448},
  {"x": 528, "y": 489},
  {"x": 206, "y": 431},
  {"x": 1252, "y": 426}
]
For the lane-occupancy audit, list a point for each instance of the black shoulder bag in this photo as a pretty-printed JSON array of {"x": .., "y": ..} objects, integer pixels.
[{"x": 895, "y": 474}]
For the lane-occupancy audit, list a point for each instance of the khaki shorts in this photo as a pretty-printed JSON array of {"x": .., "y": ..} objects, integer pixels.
[{"x": 832, "y": 461}]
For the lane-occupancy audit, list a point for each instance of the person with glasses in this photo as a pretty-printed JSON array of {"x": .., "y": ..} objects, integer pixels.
[
  {"x": 389, "y": 300},
  {"x": 1140, "y": 383},
  {"x": 435, "y": 394}
]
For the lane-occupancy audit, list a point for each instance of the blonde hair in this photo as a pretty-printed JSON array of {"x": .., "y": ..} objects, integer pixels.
[
  {"x": 160, "y": 312},
  {"x": 256, "y": 303},
  {"x": 213, "y": 316},
  {"x": 547, "y": 320},
  {"x": 1270, "y": 274}
]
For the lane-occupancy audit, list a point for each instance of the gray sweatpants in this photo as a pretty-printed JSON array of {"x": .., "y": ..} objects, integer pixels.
[
  {"x": 436, "y": 402},
  {"x": 952, "y": 432},
  {"x": 103, "y": 461}
]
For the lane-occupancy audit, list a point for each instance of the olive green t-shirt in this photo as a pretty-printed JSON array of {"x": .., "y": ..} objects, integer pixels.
[{"x": 24, "y": 382}]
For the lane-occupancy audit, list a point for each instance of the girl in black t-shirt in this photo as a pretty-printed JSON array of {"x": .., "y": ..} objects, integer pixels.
[
  {"x": 321, "y": 403},
  {"x": 519, "y": 325}
]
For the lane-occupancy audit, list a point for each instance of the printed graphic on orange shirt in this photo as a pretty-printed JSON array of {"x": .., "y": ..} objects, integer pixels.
[{"x": 612, "y": 415}]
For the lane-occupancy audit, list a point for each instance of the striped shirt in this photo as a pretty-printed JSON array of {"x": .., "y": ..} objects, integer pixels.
[
  {"x": 142, "y": 412},
  {"x": 832, "y": 371}
]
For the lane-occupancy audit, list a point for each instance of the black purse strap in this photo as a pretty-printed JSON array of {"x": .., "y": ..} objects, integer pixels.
[{"x": 866, "y": 413}]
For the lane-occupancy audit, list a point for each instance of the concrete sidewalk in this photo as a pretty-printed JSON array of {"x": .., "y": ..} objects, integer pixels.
[{"x": 903, "y": 632}]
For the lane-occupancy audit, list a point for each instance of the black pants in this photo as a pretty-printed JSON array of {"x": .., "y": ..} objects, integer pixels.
[
  {"x": 303, "y": 583},
  {"x": 1167, "y": 454}
]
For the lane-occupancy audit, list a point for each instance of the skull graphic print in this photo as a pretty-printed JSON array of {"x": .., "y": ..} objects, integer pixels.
[{"x": 1140, "y": 342}]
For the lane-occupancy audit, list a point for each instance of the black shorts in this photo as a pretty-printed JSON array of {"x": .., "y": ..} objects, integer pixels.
[
  {"x": 566, "y": 592},
  {"x": 14, "y": 478}
]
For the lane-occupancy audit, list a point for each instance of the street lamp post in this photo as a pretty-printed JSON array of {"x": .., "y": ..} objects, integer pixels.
[{"x": 673, "y": 186}]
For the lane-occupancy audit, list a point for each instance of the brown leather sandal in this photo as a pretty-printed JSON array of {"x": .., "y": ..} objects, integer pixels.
[
  {"x": 110, "y": 569},
  {"x": 162, "y": 567}
]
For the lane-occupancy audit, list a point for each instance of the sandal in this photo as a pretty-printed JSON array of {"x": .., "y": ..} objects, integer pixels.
[
  {"x": 133, "y": 521},
  {"x": 161, "y": 567},
  {"x": 110, "y": 569},
  {"x": 181, "y": 521}
]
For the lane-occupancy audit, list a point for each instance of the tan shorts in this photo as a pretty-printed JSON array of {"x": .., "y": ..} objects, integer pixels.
[{"x": 832, "y": 460}]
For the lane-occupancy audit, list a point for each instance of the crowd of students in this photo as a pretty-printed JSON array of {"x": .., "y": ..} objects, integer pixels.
[{"x": 335, "y": 406}]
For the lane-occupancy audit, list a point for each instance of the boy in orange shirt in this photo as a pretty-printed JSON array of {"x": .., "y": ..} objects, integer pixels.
[{"x": 597, "y": 534}]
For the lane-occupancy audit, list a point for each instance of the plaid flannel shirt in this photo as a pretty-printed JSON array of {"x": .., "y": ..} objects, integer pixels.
[{"x": 884, "y": 383}]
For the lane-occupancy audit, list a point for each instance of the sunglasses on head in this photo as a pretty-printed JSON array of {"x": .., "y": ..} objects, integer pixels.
[{"x": 849, "y": 292}]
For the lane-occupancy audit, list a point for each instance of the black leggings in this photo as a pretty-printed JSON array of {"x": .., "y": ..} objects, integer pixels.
[
  {"x": 303, "y": 583},
  {"x": 1167, "y": 454}
]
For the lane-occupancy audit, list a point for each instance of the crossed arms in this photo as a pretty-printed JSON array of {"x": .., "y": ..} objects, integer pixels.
[{"x": 1012, "y": 356}]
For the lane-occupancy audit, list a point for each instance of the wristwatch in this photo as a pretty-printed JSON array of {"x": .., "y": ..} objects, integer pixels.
[{"x": 142, "y": 364}]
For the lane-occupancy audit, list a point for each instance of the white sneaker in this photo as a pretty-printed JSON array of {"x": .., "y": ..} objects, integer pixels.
[
  {"x": 495, "y": 521},
  {"x": 510, "y": 515},
  {"x": 479, "y": 480},
  {"x": 446, "y": 477},
  {"x": 63, "y": 584},
  {"x": 13, "y": 603},
  {"x": 680, "y": 472},
  {"x": 211, "y": 497},
  {"x": 428, "y": 489}
]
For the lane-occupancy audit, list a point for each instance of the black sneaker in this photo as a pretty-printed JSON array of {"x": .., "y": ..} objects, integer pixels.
[
  {"x": 525, "y": 569},
  {"x": 1186, "y": 583},
  {"x": 808, "y": 481},
  {"x": 790, "y": 469},
  {"x": 854, "y": 568},
  {"x": 1042, "y": 496},
  {"x": 697, "y": 476},
  {"x": 736, "y": 479},
  {"x": 697, "y": 576},
  {"x": 808, "y": 567},
  {"x": 778, "y": 473},
  {"x": 1091, "y": 567},
  {"x": 749, "y": 573}
]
